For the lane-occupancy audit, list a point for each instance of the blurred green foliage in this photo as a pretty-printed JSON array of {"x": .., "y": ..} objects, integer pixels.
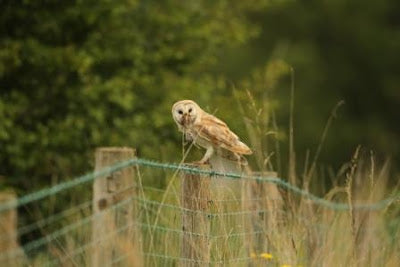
[
  {"x": 339, "y": 50},
  {"x": 76, "y": 75}
]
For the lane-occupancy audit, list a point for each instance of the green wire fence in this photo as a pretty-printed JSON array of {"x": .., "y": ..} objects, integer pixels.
[
  {"x": 184, "y": 168},
  {"x": 159, "y": 220}
]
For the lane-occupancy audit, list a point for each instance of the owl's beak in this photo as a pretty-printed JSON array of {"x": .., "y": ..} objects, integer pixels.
[{"x": 185, "y": 119}]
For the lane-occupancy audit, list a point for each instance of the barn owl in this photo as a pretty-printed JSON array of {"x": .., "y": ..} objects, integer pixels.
[{"x": 207, "y": 131}]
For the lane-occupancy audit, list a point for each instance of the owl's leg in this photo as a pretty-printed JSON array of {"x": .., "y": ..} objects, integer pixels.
[
  {"x": 186, "y": 138},
  {"x": 207, "y": 155}
]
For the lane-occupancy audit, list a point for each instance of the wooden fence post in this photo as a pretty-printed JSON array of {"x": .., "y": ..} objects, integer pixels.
[
  {"x": 8, "y": 233},
  {"x": 195, "y": 222},
  {"x": 221, "y": 186},
  {"x": 113, "y": 231}
]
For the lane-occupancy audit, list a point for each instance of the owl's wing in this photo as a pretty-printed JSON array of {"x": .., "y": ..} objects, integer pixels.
[{"x": 218, "y": 133}]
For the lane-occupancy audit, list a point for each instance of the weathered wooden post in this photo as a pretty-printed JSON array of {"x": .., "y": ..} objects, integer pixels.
[
  {"x": 225, "y": 187},
  {"x": 113, "y": 226},
  {"x": 8, "y": 233},
  {"x": 195, "y": 194}
]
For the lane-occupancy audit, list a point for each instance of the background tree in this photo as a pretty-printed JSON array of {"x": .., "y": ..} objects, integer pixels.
[
  {"x": 75, "y": 75},
  {"x": 339, "y": 50}
]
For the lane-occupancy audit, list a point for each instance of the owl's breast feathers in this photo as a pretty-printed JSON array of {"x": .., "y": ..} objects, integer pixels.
[{"x": 218, "y": 134}]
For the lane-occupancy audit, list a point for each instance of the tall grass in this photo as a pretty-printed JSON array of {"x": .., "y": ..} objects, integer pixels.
[{"x": 259, "y": 226}]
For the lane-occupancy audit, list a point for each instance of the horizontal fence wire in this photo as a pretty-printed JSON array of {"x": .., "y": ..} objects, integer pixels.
[
  {"x": 190, "y": 169},
  {"x": 143, "y": 203},
  {"x": 208, "y": 214},
  {"x": 256, "y": 212},
  {"x": 222, "y": 200}
]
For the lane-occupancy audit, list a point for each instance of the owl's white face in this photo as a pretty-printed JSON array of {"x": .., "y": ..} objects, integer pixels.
[{"x": 185, "y": 113}]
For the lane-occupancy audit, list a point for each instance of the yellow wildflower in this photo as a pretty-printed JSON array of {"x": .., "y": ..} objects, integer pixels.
[{"x": 266, "y": 256}]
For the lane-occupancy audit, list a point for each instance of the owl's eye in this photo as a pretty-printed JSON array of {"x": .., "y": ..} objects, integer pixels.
[
  {"x": 190, "y": 110},
  {"x": 180, "y": 111}
]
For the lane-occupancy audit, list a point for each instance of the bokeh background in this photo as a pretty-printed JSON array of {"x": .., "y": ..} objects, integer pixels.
[{"x": 76, "y": 75}]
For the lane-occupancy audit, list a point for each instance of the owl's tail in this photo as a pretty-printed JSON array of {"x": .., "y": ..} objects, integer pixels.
[{"x": 242, "y": 148}]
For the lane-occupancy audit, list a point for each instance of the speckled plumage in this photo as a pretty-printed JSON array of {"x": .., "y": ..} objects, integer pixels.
[{"x": 207, "y": 131}]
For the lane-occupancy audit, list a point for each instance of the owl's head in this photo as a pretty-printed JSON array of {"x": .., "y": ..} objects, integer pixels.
[{"x": 186, "y": 112}]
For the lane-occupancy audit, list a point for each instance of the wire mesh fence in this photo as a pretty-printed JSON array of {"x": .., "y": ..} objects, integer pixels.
[{"x": 240, "y": 221}]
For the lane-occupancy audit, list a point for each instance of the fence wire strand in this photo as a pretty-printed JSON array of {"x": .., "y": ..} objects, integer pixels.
[{"x": 189, "y": 169}]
